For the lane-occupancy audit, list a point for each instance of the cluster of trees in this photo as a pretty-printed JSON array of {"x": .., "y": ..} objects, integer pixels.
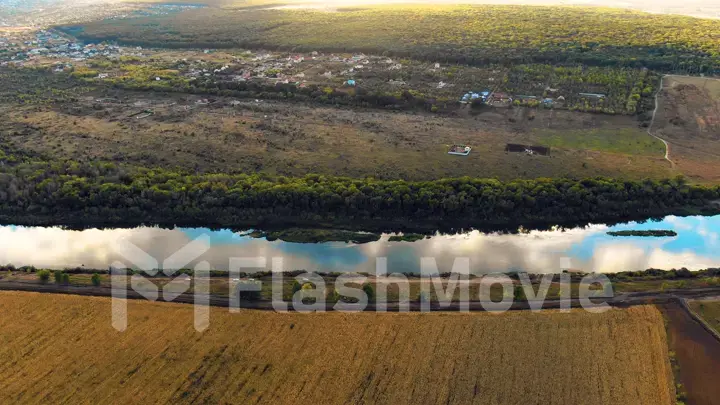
[
  {"x": 37, "y": 85},
  {"x": 475, "y": 35},
  {"x": 627, "y": 90},
  {"x": 659, "y": 233},
  {"x": 658, "y": 274},
  {"x": 70, "y": 193}
]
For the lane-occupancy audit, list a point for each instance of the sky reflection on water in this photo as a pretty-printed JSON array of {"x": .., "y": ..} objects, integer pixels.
[{"x": 589, "y": 249}]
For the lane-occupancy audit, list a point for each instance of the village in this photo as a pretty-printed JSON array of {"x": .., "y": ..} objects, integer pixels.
[
  {"x": 42, "y": 48},
  {"x": 494, "y": 86},
  {"x": 464, "y": 90},
  {"x": 375, "y": 74}
]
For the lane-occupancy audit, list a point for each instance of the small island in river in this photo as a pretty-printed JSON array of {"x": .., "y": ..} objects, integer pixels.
[{"x": 649, "y": 233}]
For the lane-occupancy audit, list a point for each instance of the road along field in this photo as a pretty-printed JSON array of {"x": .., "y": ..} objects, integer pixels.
[
  {"x": 688, "y": 118},
  {"x": 63, "y": 349}
]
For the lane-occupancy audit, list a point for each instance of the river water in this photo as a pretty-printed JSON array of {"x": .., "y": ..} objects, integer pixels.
[{"x": 697, "y": 246}]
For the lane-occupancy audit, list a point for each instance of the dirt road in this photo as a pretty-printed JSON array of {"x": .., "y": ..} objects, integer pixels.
[{"x": 620, "y": 300}]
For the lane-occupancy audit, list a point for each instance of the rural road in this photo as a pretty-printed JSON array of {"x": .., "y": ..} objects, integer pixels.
[{"x": 620, "y": 300}]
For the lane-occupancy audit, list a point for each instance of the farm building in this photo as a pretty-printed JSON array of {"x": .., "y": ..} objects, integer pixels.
[{"x": 499, "y": 97}]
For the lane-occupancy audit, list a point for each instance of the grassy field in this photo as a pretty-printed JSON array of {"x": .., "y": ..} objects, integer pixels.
[
  {"x": 709, "y": 310},
  {"x": 295, "y": 139},
  {"x": 628, "y": 140},
  {"x": 62, "y": 348}
]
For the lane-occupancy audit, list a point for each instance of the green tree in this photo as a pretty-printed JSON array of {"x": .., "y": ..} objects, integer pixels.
[
  {"x": 44, "y": 276},
  {"x": 296, "y": 286},
  {"x": 369, "y": 291},
  {"x": 332, "y": 295}
]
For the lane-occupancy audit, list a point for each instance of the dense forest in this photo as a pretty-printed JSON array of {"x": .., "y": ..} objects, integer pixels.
[
  {"x": 475, "y": 35},
  {"x": 37, "y": 192}
]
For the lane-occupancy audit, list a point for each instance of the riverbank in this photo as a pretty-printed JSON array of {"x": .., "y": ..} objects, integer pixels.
[{"x": 100, "y": 194}]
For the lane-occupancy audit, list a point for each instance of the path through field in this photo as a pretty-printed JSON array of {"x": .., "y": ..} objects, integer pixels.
[{"x": 649, "y": 131}]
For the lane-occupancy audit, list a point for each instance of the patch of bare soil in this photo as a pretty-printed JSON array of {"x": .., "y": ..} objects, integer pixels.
[
  {"x": 688, "y": 118},
  {"x": 698, "y": 355}
]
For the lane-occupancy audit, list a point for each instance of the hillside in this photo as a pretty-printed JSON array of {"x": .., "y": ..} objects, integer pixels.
[{"x": 464, "y": 34}]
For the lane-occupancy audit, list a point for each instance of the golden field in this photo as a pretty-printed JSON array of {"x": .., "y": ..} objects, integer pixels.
[{"x": 60, "y": 349}]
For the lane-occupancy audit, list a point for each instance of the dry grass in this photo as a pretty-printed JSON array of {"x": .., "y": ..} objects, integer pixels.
[
  {"x": 62, "y": 349},
  {"x": 709, "y": 311},
  {"x": 688, "y": 118},
  {"x": 295, "y": 139}
]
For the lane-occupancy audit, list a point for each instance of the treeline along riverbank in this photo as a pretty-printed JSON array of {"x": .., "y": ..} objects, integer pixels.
[{"x": 37, "y": 192}]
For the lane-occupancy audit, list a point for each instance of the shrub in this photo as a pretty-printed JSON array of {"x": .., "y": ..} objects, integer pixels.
[
  {"x": 44, "y": 276},
  {"x": 307, "y": 291},
  {"x": 332, "y": 296},
  {"x": 369, "y": 291},
  {"x": 95, "y": 280},
  {"x": 296, "y": 287},
  {"x": 57, "y": 274},
  {"x": 65, "y": 278}
]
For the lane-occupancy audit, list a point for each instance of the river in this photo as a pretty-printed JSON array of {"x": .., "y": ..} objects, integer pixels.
[{"x": 588, "y": 249}]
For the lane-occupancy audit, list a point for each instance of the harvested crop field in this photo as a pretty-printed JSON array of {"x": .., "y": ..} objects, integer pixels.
[
  {"x": 688, "y": 118},
  {"x": 63, "y": 349}
]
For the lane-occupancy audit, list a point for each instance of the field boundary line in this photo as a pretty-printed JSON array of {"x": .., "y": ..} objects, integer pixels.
[{"x": 699, "y": 319}]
